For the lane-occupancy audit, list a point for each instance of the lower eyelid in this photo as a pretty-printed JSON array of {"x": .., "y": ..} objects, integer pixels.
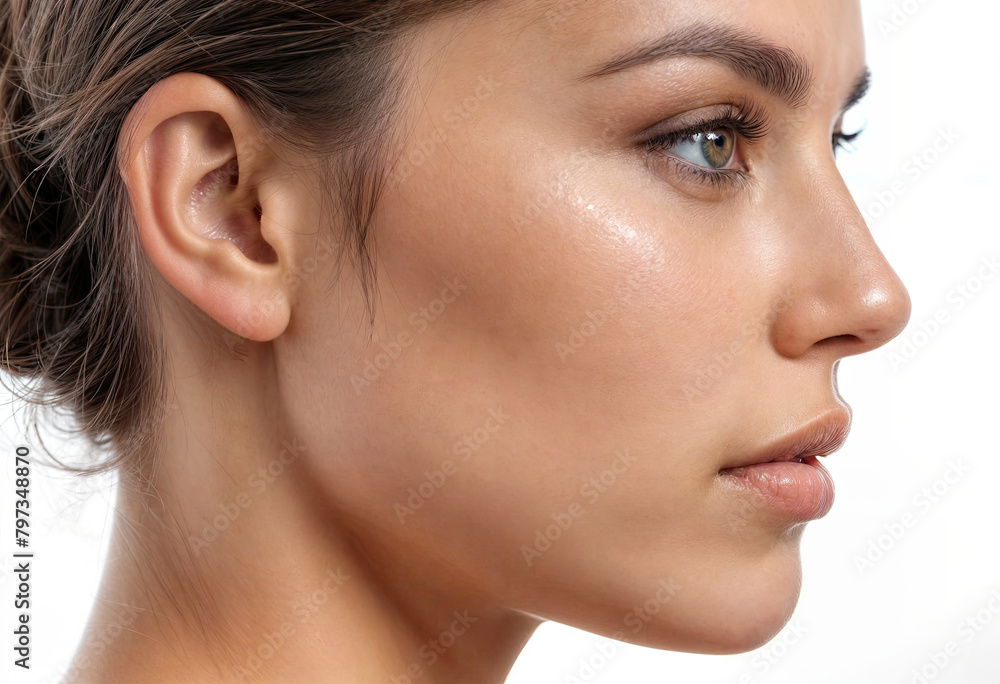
[{"x": 716, "y": 178}]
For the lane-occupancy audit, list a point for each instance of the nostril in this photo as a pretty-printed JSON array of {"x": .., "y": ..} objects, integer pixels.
[{"x": 843, "y": 341}]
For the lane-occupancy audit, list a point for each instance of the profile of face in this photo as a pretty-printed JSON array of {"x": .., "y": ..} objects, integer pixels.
[{"x": 616, "y": 263}]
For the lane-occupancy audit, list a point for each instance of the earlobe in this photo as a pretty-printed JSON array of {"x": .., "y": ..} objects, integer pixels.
[{"x": 198, "y": 203}]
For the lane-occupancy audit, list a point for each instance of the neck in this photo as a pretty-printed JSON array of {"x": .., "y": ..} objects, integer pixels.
[{"x": 227, "y": 565}]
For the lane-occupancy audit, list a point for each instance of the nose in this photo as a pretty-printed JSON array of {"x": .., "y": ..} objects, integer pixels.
[{"x": 843, "y": 297}]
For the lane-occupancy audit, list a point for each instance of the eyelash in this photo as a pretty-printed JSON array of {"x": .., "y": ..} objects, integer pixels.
[{"x": 749, "y": 125}]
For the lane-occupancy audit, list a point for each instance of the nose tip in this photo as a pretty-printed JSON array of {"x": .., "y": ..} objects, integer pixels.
[
  {"x": 888, "y": 306},
  {"x": 845, "y": 315}
]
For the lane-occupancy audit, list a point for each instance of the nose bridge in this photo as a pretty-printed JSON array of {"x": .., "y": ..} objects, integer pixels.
[{"x": 846, "y": 295}]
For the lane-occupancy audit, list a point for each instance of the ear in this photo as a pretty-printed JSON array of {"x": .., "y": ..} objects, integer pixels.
[{"x": 206, "y": 193}]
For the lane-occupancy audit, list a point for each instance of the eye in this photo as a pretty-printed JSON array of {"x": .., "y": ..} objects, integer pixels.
[
  {"x": 711, "y": 149},
  {"x": 842, "y": 141}
]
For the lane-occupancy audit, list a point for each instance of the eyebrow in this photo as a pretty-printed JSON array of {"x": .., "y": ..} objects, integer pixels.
[{"x": 778, "y": 70}]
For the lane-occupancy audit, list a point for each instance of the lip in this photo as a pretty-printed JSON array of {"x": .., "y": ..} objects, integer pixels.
[{"x": 786, "y": 475}]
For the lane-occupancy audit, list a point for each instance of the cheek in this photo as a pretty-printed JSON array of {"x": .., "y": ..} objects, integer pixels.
[
  {"x": 582, "y": 314},
  {"x": 565, "y": 272},
  {"x": 574, "y": 297},
  {"x": 593, "y": 303}
]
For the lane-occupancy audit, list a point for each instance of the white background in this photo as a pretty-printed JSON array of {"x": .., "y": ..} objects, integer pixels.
[{"x": 935, "y": 70}]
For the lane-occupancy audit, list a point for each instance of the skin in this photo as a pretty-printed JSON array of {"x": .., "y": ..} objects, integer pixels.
[{"x": 320, "y": 572}]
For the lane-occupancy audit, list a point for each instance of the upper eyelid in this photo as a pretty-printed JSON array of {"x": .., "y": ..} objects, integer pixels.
[
  {"x": 745, "y": 106},
  {"x": 859, "y": 92}
]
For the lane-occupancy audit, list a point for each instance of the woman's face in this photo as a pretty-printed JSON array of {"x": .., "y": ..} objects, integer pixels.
[{"x": 577, "y": 333}]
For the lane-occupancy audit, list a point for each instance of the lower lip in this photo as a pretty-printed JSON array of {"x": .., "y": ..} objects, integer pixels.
[{"x": 800, "y": 491}]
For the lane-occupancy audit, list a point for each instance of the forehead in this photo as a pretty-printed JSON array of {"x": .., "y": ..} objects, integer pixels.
[{"x": 571, "y": 37}]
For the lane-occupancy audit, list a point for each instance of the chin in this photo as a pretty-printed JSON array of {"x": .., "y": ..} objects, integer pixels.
[
  {"x": 735, "y": 610},
  {"x": 750, "y": 628}
]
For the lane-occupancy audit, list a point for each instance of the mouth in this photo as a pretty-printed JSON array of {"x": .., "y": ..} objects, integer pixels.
[{"x": 786, "y": 477}]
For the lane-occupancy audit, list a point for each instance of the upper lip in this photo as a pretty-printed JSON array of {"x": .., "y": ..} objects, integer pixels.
[{"x": 819, "y": 437}]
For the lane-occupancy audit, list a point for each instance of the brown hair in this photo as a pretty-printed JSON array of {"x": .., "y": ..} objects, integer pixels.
[{"x": 75, "y": 285}]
